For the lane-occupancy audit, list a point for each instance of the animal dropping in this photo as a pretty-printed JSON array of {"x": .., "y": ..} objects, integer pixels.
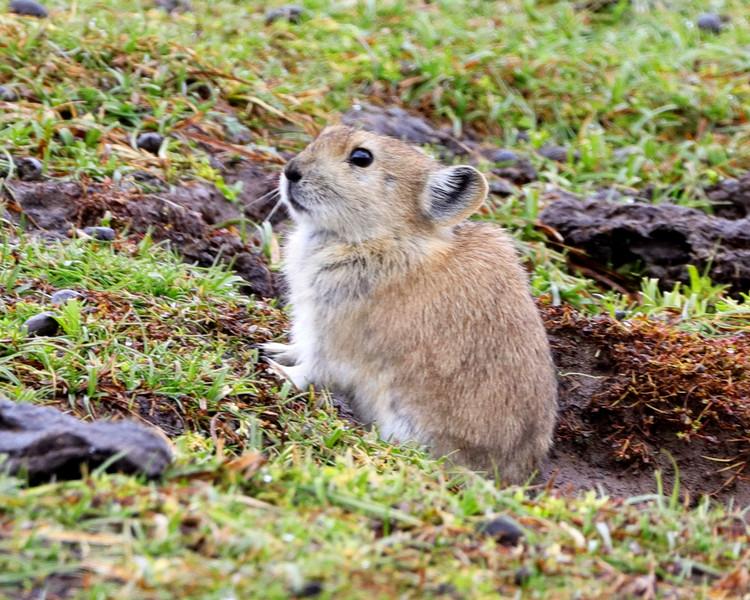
[{"x": 422, "y": 319}]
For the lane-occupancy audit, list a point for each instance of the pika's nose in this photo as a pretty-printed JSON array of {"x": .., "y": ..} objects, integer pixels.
[{"x": 291, "y": 172}]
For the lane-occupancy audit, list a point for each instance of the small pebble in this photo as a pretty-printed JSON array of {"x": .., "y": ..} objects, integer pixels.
[
  {"x": 711, "y": 22},
  {"x": 43, "y": 324},
  {"x": 501, "y": 155},
  {"x": 523, "y": 136},
  {"x": 174, "y": 5},
  {"x": 500, "y": 187},
  {"x": 446, "y": 589},
  {"x": 620, "y": 315},
  {"x": 103, "y": 234},
  {"x": 521, "y": 576},
  {"x": 150, "y": 142},
  {"x": 290, "y": 12},
  {"x": 310, "y": 590},
  {"x": 520, "y": 173},
  {"x": 27, "y": 7},
  {"x": 8, "y": 94},
  {"x": 199, "y": 88},
  {"x": 504, "y": 529},
  {"x": 62, "y": 296},
  {"x": 556, "y": 153},
  {"x": 29, "y": 168}
]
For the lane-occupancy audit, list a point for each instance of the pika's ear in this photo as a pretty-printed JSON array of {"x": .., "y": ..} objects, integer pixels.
[{"x": 453, "y": 193}]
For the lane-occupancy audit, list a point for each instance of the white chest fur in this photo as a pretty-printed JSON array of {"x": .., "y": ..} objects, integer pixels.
[{"x": 301, "y": 264}]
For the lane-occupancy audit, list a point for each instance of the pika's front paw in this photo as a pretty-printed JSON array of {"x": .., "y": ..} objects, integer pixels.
[
  {"x": 286, "y": 354},
  {"x": 296, "y": 374}
]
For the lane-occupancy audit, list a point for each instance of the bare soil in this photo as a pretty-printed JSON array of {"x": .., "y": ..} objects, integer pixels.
[
  {"x": 640, "y": 396},
  {"x": 194, "y": 218},
  {"x": 660, "y": 239}
]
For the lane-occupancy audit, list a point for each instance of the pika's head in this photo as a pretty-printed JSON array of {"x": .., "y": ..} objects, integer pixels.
[{"x": 360, "y": 186}]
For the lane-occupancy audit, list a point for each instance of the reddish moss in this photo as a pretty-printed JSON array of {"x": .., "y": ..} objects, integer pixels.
[{"x": 653, "y": 385}]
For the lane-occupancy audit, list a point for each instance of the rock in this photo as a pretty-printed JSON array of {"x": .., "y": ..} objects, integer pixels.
[
  {"x": 557, "y": 153},
  {"x": 27, "y": 7},
  {"x": 520, "y": 173},
  {"x": 596, "y": 5},
  {"x": 8, "y": 94},
  {"x": 711, "y": 22},
  {"x": 513, "y": 167},
  {"x": 310, "y": 590},
  {"x": 663, "y": 238},
  {"x": 45, "y": 443},
  {"x": 447, "y": 589},
  {"x": 103, "y": 234},
  {"x": 504, "y": 529},
  {"x": 199, "y": 88},
  {"x": 500, "y": 187},
  {"x": 29, "y": 168},
  {"x": 63, "y": 296},
  {"x": 521, "y": 576},
  {"x": 174, "y": 5},
  {"x": 731, "y": 198},
  {"x": 500, "y": 155},
  {"x": 523, "y": 136},
  {"x": 289, "y": 12},
  {"x": 43, "y": 324},
  {"x": 150, "y": 142}
]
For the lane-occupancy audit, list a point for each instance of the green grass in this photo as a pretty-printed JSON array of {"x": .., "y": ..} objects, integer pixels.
[
  {"x": 643, "y": 81},
  {"x": 272, "y": 492},
  {"x": 311, "y": 500}
]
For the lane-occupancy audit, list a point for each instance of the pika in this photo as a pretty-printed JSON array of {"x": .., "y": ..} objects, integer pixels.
[{"x": 422, "y": 319}]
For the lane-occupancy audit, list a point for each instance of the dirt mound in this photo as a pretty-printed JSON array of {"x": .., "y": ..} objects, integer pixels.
[
  {"x": 631, "y": 390},
  {"x": 661, "y": 239},
  {"x": 196, "y": 219}
]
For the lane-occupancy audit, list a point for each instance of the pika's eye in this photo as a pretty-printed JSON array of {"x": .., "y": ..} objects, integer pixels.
[{"x": 361, "y": 157}]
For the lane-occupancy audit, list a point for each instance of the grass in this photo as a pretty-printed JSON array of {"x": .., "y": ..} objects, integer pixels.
[
  {"x": 642, "y": 94},
  {"x": 273, "y": 492}
]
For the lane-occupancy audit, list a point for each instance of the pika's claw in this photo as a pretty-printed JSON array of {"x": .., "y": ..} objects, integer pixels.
[
  {"x": 297, "y": 374},
  {"x": 286, "y": 354}
]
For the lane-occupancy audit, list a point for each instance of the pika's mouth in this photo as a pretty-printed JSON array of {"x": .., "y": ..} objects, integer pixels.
[
  {"x": 288, "y": 194},
  {"x": 293, "y": 201}
]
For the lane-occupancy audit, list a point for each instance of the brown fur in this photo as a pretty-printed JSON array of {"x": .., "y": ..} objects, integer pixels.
[{"x": 423, "y": 319}]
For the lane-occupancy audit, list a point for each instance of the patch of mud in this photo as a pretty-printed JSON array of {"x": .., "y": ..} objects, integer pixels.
[
  {"x": 636, "y": 395},
  {"x": 196, "y": 219},
  {"x": 661, "y": 238}
]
